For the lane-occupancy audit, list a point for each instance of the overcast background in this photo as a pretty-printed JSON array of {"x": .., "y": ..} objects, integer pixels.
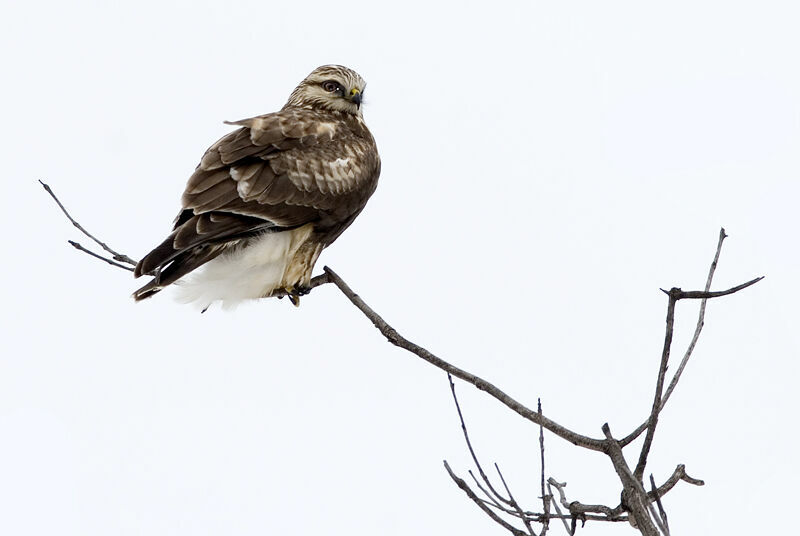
[{"x": 546, "y": 168}]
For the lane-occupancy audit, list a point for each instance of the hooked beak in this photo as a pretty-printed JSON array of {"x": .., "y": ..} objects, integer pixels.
[{"x": 355, "y": 97}]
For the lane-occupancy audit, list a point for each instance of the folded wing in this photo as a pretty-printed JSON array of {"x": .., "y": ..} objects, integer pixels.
[{"x": 277, "y": 172}]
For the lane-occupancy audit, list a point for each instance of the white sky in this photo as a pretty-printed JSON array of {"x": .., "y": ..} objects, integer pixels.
[{"x": 546, "y": 168}]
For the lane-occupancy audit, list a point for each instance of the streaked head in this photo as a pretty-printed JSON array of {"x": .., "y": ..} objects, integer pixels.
[{"x": 331, "y": 88}]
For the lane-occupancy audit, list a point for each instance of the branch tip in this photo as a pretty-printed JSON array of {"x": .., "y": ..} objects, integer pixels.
[{"x": 115, "y": 256}]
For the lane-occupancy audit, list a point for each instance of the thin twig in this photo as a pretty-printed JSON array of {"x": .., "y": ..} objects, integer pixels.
[
  {"x": 398, "y": 340},
  {"x": 654, "y": 516},
  {"x": 538, "y": 516},
  {"x": 562, "y": 497},
  {"x": 491, "y": 498},
  {"x": 469, "y": 445},
  {"x": 702, "y": 295},
  {"x": 121, "y": 257},
  {"x": 578, "y": 508},
  {"x": 514, "y": 503},
  {"x": 661, "y": 519},
  {"x": 545, "y": 497},
  {"x": 677, "y": 475},
  {"x": 95, "y": 255},
  {"x": 280, "y": 293},
  {"x": 559, "y": 486},
  {"x": 535, "y": 516},
  {"x": 477, "y": 500}
]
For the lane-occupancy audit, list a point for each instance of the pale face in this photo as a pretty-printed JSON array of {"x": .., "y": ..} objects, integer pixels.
[{"x": 330, "y": 87}]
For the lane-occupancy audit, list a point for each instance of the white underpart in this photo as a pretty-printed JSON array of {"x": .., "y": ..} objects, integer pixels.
[{"x": 243, "y": 274}]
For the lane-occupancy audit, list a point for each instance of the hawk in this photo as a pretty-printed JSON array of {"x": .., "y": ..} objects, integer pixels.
[{"x": 267, "y": 198}]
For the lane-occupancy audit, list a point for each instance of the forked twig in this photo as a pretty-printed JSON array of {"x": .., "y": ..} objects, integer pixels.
[
  {"x": 703, "y": 295},
  {"x": 514, "y": 503},
  {"x": 96, "y": 256},
  {"x": 477, "y": 500},
  {"x": 121, "y": 257},
  {"x": 471, "y": 450}
]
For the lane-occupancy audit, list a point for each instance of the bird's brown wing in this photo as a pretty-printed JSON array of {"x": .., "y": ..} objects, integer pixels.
[{"x": 276, "y": 172}]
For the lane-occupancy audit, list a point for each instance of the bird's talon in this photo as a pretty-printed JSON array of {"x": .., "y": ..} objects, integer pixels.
[{"x": 302, "y": 290}]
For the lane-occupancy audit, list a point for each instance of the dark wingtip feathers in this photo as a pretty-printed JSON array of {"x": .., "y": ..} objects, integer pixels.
[{"x": 147, "y": 291}]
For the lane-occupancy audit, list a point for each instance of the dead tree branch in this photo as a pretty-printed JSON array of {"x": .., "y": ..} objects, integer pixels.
[
  {"x": 492, "y": 494},
  {"x": 677, "y": 475},
  {"x": 79, "y": 247},
  {"x": 636, "y": 505},
  {"x": 120, "y": 257},
  {"x": 471, "y": 494},
  {"x": 546, "y": 498},
  {"x": 661, "y": 520},
  {"x": 704, "y": 295},
  {"x": 472, "y": 451},
  {"x": 398, "y": 340},
  {"x": 634, "y": 497},
  {"x": 662, "y": 371},
  {"x": 560, "y": 487}
]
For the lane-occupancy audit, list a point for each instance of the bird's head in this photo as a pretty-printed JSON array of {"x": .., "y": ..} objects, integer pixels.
[{"x": 330, "y": 88}]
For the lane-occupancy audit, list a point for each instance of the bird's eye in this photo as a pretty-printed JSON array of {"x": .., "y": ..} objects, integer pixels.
[{"x": 330, "y": 86}]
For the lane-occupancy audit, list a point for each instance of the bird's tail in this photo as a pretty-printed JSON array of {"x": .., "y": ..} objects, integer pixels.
[{"x": 166, "y": 271}]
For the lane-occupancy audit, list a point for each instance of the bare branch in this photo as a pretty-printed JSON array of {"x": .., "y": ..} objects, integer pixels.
[
  {"x": 546, "y": 498},
  {"x": 510, "y": 501},
  {"x": 537, "y": 517},
  {"x": 698, "y": 329},
  {"x": 633, "y": 493},
  {"x": 662, "y": 371},
  {"x": 690, "y": 480},
  {"x": 559, "y": 486},
  {"x": 514, "y": 503},
  {"x": 471, "y": 450},
  {"x": 677, "y": 475},
  {"x": 477, "y": 500},
  {"x": 491, "y": 498},
  {"x": 584, "y": 517},
  {"x": 654, "y": 516},
  {"x": 635, "y": 500},
  {"x": 578, "y": 508},
  {"x": 121, "y": 257},
  {"x": 95, "y": 255},
  {"x": 661, "y": 519},
  {"x": 398, "y": 340},
  {"x": 562, "y": 497},
  {"x": 702, "y": 295}
]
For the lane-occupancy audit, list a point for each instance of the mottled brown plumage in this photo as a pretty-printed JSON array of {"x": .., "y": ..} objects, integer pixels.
[{"x": 307, "y": 170}]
